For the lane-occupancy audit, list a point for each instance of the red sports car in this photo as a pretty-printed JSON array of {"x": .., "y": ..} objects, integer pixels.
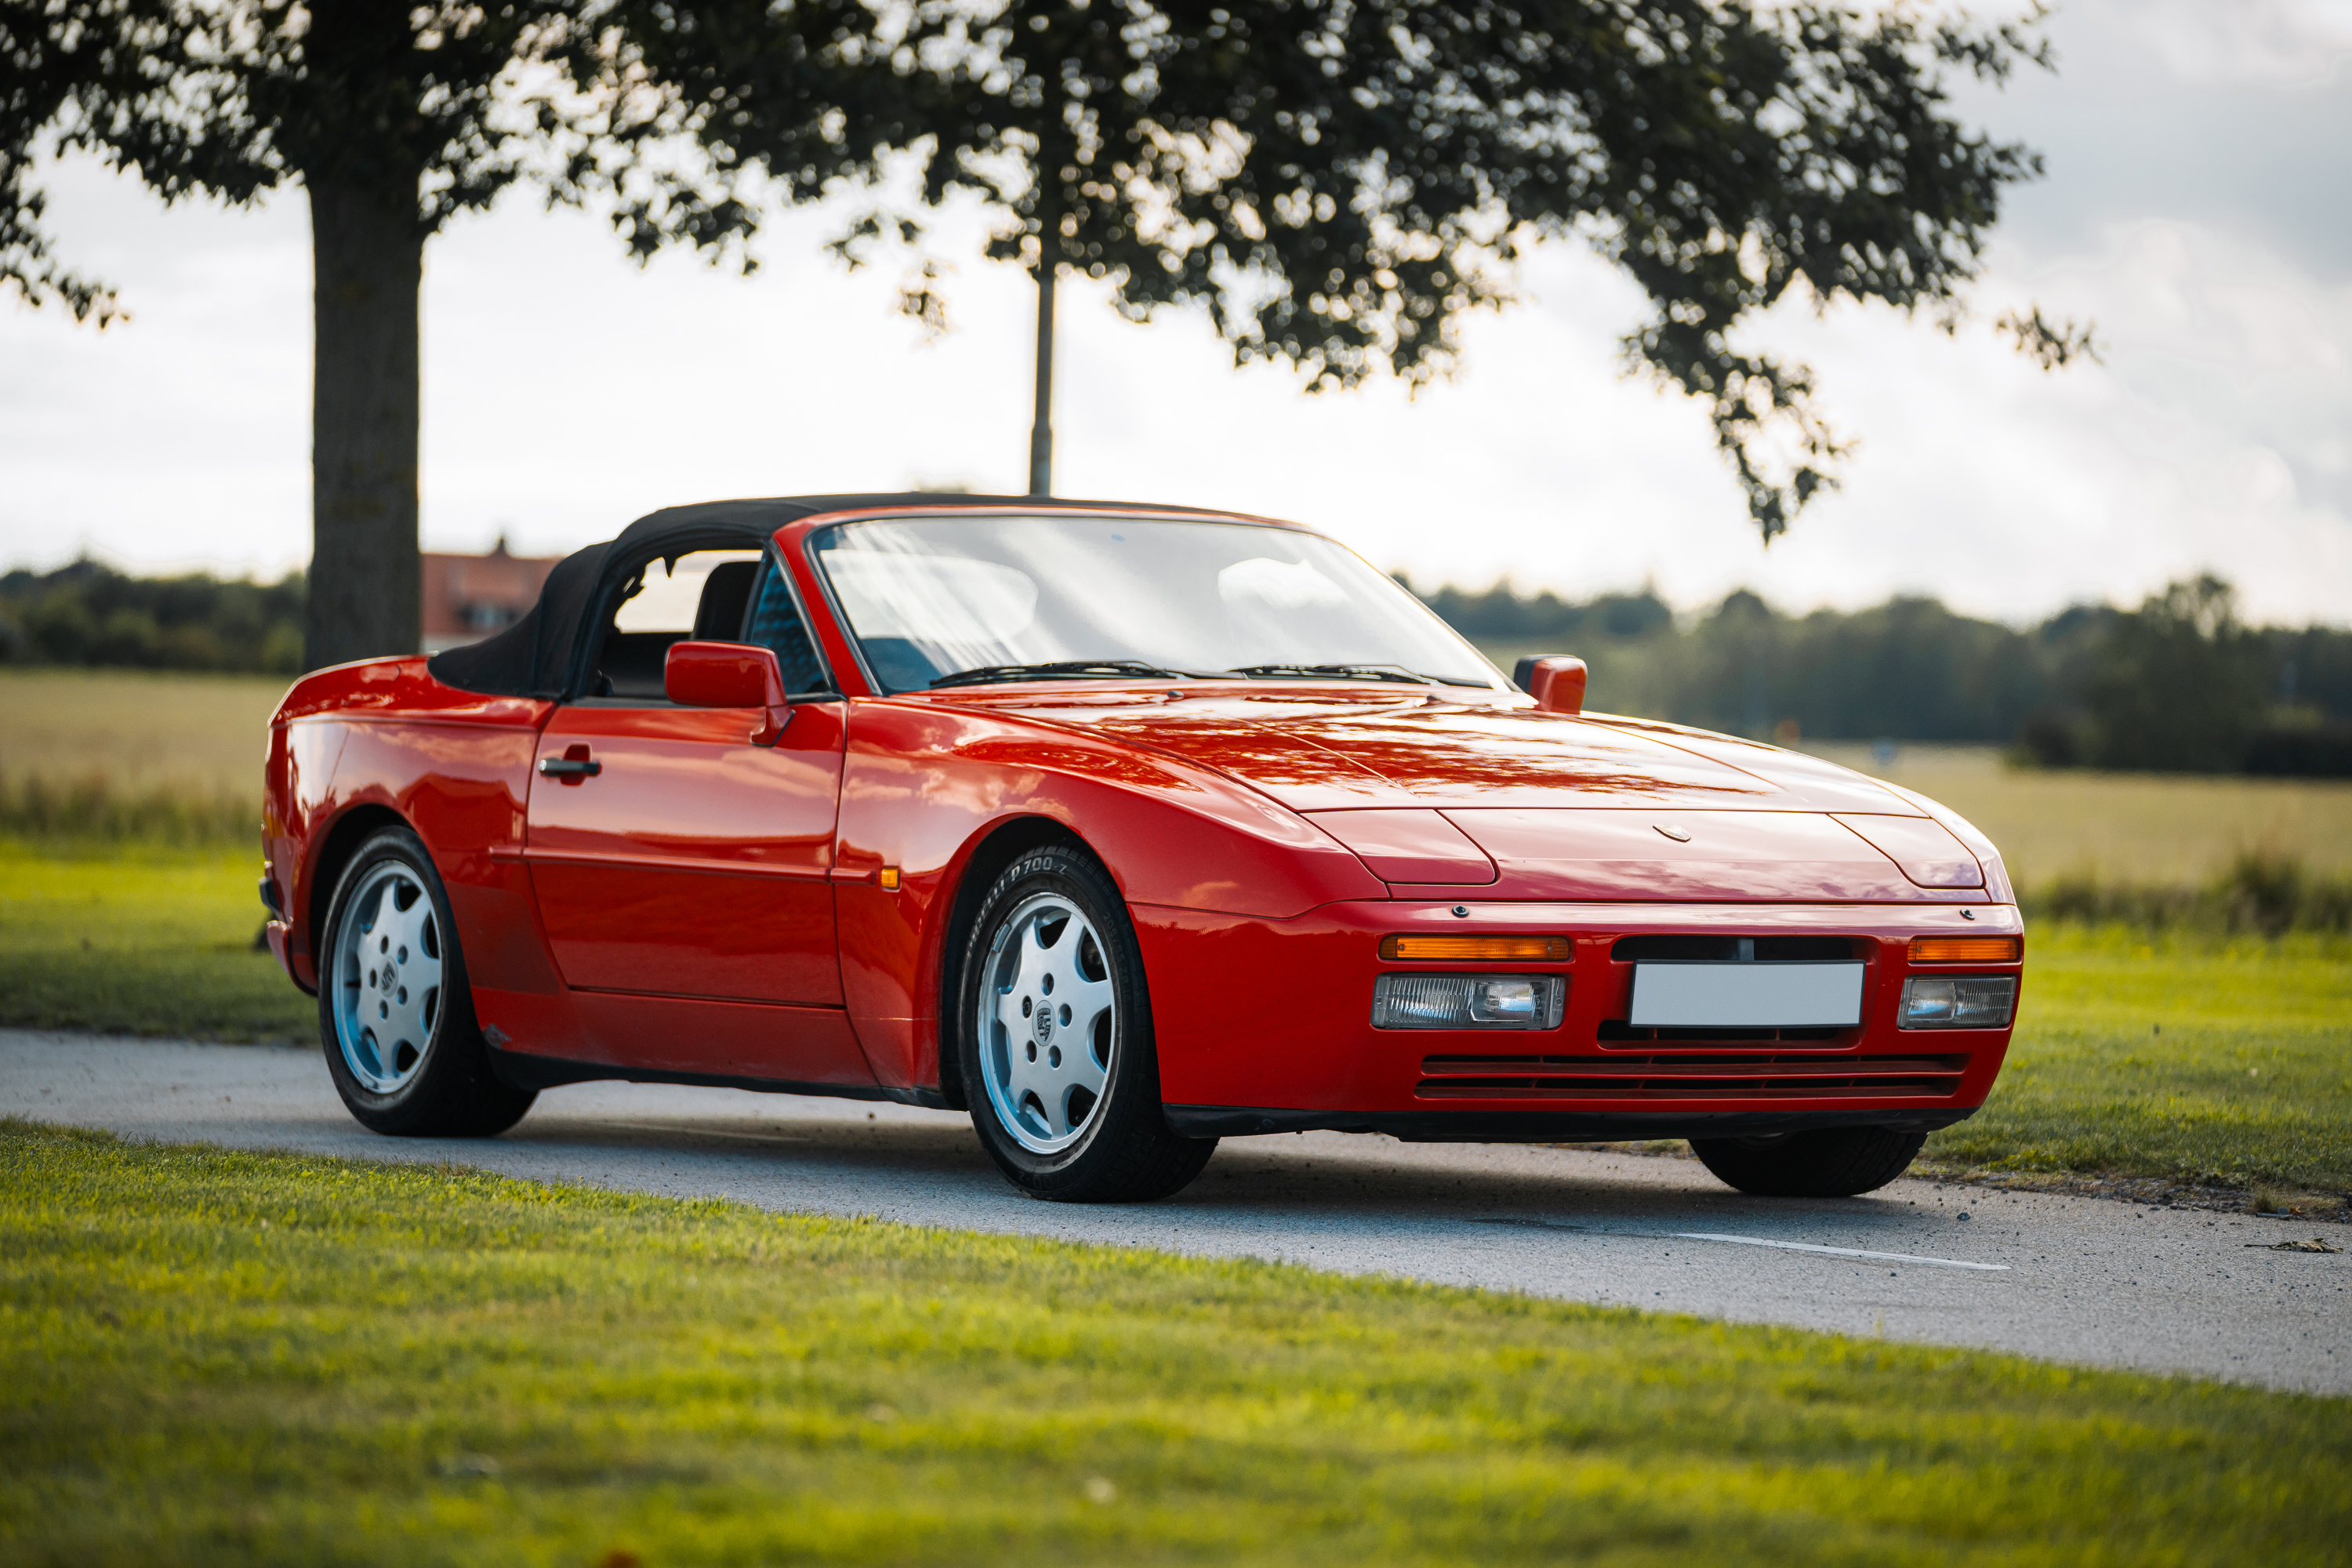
[{"x": 1127, "y": 829}]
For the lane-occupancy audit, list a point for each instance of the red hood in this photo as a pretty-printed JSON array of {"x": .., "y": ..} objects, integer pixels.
[
  {"x": 1520, "y": 804},
  {"x": 1318, "y": 749}
]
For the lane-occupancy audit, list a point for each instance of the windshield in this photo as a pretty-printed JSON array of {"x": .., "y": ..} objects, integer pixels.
[{"x": 982, "y": 596}]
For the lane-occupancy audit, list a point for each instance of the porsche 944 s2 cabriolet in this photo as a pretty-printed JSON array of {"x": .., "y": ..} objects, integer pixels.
[{"x": 1125, "y": 828}]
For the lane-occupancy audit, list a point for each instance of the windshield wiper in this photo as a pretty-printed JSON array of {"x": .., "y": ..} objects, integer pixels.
[
  {"x": 1357, "y": 671},
  {"x": 1351, "y": 671},
  {"x": 1059, "y": 669}
]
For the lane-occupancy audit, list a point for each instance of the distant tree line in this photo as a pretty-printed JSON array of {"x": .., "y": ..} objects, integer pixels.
[
  {"x": 2179, "y": 685},
  {"x": 89, "y": 614}
]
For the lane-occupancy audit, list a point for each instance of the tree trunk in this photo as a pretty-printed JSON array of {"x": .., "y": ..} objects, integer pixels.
[{"x": 368, "y": 260}]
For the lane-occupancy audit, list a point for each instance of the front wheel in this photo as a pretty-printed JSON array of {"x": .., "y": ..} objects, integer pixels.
[
  {"x": 1831, "y": 1163},
  {"x": 1054, "y": 1035},
  {"x": 395, "y": 1015}
]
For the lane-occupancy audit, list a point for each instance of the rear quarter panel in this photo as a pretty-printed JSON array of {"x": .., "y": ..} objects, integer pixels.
[{"x": 455, "y": 765}]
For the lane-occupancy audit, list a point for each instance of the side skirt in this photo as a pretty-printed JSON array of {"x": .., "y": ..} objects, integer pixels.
[
  {"x": 1540, "y": 1126},
  {"x": 519, "y": 1069}
]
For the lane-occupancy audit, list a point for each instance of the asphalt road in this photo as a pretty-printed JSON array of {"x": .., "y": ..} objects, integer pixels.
[{"x": 2085, "y": 1280}]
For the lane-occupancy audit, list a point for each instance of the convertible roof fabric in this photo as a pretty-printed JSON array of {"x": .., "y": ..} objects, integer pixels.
[{"x": 536, "y": 655}]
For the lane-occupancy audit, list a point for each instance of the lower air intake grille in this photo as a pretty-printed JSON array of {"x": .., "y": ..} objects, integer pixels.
[{"x": 1690, "y": 1075}]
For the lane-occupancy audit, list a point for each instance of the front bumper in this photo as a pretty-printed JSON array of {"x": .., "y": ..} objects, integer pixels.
[{"x": 1265, "y": 1026}]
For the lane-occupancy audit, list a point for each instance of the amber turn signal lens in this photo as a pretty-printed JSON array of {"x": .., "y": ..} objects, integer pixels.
[
  {"x": 887, "y": 876},
  {"x": 1967, "y": 949},
  {"x": 1481, "y": 949}
]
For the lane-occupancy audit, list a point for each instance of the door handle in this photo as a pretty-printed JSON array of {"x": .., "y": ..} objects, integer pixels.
[{"x": 569, "y": 767}]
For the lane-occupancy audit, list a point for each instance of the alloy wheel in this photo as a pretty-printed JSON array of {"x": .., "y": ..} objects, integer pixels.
[
  {"x": 387, "y": 970},
  {"x": 1048, "y": 1023}
]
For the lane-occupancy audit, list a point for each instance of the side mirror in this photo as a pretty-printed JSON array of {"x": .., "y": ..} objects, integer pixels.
[
  {"x": 729, "y": 675},
  {"x": 1555, "y": 683}
]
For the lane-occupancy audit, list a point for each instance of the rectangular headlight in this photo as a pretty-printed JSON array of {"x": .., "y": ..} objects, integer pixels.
[
  {"x": 1468, "y": 1001},
  {"x": 1960, "y": 1002}
]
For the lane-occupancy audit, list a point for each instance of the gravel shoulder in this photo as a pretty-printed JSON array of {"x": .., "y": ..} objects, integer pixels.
[{"x": 2068, "y": 1277}]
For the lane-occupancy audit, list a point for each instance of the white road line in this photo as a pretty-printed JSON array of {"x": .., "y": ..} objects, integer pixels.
[{"x": 1839, "y": 1251}]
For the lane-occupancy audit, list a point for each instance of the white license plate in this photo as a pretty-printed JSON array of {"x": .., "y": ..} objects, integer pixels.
[{"x": 1734, "y": 995}]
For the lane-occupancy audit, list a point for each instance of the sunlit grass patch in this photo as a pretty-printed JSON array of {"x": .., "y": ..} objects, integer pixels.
[
  {"x": 2174, "y": 1056},
  {"x": 215, "y": 1356},
  {"x": 141, "y": 941}
]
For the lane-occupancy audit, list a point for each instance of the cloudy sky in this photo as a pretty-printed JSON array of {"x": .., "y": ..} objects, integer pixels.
[{"x": 2199, "y": 208}]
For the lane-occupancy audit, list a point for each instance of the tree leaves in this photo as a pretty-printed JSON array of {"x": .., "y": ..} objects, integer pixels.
[{"x": 1340, "y": 184}]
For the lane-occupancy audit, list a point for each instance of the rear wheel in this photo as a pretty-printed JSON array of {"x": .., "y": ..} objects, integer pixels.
[
  {"x": 395, "y": 1013},
  {"x": 1055, "y": 1039},
  {"x": 1830, "y": 1163}
]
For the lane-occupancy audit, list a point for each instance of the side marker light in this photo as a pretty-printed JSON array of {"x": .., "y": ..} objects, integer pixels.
[{"x": 889, "y": 878}]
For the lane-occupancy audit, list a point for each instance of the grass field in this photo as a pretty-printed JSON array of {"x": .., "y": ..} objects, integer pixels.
[
  {"x": 211, "y": 1357},
  {"x": 140, "y": 731},
  {"x": 2183, "y": 1058},
  {"x": 2143, "y": 827},
  {"x": 2224, "y": 1062},
  {"x": 144, "y": 942}
]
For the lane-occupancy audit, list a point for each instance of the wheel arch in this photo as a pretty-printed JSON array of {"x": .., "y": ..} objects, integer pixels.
[
  {"x": 991, "y": 851},
  {"x": 340, "y": 842}
]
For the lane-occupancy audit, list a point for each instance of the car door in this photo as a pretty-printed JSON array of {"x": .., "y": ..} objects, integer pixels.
[{"x": 674, "y": 858}]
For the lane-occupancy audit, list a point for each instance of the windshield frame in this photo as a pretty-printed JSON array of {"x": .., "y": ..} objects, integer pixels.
[{"x": 814, "y": 531}]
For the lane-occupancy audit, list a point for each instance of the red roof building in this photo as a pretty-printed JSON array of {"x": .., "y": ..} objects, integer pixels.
[{"x": 467, "y": 597}]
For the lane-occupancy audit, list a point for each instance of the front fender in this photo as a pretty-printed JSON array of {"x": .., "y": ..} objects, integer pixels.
[{"x": 922, "y": 786}]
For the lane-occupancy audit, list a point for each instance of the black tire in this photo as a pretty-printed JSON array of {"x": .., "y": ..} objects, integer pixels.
[
  {"x": 1832, "y": 1162},
  {"x": 446, "y": 1090},
  {"x": 1123, "y": 1150}
]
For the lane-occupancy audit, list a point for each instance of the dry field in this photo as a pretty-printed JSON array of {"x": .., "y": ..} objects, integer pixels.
[
  {"x": 141, "y": 733},
  {"x": 2140, "y": 827}
]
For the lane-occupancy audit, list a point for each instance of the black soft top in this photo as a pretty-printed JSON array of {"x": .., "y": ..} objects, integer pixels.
[{"x": 538, "y": 655}]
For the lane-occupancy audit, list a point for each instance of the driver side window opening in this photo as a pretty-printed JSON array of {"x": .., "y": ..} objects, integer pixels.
[{"x": 702, "y": 596}]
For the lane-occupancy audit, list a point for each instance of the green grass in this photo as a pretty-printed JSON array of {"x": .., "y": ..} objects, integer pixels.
[
  {"x": 208, "y": 1356},
  {"x": 142, "y": 942},
  {"x": 2174, "y": 1057},
  {"x": 2181, "y": 1057}
]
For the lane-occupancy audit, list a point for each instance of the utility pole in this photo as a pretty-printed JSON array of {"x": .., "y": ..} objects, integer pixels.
[
  {"x": 1041, "y": 432},
  {"x": 1052, "y": 154}
]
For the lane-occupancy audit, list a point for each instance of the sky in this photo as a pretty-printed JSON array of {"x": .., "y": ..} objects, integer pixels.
[{"x": 2198, "y": 209}]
